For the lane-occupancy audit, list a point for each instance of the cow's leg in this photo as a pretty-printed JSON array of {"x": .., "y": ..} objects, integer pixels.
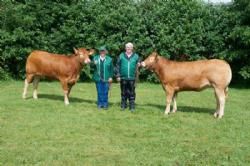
[
  {"x": 170, "y": 94},
  {"x": 70, "y": 87},
  {"x": 26, "y": 85},
  {"x": 217, "y": 104},
  {"x": 35, "y": 86},
  {"x": 66, "y": 91},
  {"x": 221, "y": 98},
  {"x": 27, "y": 81},
  {"x": 174, "y": 103}
]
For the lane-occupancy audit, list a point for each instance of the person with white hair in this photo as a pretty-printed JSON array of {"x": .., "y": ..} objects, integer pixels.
[{"x": 126, "y": 69}]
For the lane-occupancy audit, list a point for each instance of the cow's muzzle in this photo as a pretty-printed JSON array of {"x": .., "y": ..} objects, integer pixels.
[
  {"x": 143, "y": 64},
  {"x": 87, "y": 61}
]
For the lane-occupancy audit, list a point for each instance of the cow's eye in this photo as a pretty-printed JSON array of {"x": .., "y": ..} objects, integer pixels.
[{"x": 151, "y": 59}]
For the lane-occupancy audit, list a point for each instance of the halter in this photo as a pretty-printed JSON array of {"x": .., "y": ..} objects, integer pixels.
[{"x": 155, "y": 61}]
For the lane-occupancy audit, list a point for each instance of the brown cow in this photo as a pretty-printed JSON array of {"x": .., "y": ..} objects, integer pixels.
[
  {"x": 191, "y": 76},
  {"x": 64, "y": 68}
]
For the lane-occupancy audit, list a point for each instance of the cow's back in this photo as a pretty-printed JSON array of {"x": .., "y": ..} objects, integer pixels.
[
  {"x": 195, "y": 75},
  {"x": 46, "y": 64}
]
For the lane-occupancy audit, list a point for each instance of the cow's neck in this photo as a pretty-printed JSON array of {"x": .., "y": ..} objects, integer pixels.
[
  {"x": 78, "y": 63},
  {"x": 159, "y": 67}
]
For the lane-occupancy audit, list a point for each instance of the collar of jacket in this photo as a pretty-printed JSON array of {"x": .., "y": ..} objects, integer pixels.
[{"x": 127, "y": 56}]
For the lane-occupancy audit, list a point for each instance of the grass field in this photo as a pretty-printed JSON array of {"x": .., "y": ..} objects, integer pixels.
[{"x": 45, "y": 132}]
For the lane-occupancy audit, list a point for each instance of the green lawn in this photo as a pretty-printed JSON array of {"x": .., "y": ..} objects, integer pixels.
[{"x": 46, "y": 132}]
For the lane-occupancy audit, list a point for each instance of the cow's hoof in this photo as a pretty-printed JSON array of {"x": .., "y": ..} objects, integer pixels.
[
  {"x": 166, "y": 113},
  {"x": 220, "y": 116},
  {"x": 24, "y": 97},
  {"x": 66, "y": 103},
  {"x": 174, "y": 111},
  {"x": 35, "y": 97},
  {"x": 215, "y": 114}
]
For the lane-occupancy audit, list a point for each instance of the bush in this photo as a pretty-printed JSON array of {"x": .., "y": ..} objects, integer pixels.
[
  {"x": 4, "y": 75},
  {"x": 174, "y": 28}
]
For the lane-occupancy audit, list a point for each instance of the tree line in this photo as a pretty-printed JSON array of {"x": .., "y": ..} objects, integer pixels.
[{"x": 179, "y": 30}]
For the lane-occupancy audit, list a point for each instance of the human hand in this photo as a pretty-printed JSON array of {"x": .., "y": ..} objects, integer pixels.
[{"x": 110, "y": 80}]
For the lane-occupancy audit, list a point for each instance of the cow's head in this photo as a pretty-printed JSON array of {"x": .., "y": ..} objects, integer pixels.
[
  {"x": 84, "y": 54},
  {"x": 150, "y": 61}
]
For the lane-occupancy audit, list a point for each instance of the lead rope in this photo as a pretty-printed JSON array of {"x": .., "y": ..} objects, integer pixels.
[
  {"x": 137, "y": 75},
  {"x": 110, "y": 86}
]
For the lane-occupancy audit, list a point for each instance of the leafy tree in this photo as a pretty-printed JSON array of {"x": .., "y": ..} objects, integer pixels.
[
  {"x": 179, "y": 30},
  {"x": 240, "y": 38}
]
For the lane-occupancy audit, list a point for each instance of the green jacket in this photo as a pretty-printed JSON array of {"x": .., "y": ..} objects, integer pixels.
[
  {"x": 126, "y": 67},
  {"x": 104, "y": 68}
]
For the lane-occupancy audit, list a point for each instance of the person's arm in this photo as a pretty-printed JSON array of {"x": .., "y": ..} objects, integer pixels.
[{"x": 139, "y": 61}]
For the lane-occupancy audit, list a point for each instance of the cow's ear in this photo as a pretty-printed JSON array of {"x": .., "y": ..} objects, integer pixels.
[
  {"x": 75, "y": 50},
  {"x": 156, "y": 56}
]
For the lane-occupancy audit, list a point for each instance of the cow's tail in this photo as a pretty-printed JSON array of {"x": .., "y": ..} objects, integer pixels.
[{"x": 229, "y": 78}]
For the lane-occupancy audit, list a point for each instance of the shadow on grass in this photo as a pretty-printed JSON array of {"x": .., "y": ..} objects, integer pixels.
[
  {"x": 71, "y": 99},
  {"x": 157, "y": 106},
  {"x": 61, "y": 98},
  {"x": 183, "y": 108}
]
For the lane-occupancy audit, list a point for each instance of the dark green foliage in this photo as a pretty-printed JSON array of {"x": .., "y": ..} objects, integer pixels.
[
  {"x": 240, "y": 37},
  {"x": 180, "y": 30}
]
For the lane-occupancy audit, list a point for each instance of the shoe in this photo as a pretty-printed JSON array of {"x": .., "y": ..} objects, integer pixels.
[
  {"x": 132, "y": 110},
  {"x": 124, "y": 104},
  {"x": 123, "y": 108},
  {"x": 132, "y": 106}
]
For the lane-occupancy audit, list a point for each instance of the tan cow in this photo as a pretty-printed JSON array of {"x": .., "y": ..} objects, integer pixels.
[
  {"x": 191, "y": 76},
  {"x": 64, "y": 68}
]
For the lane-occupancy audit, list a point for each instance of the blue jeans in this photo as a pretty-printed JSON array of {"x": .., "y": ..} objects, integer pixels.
[{"x": 102, "y": 93}]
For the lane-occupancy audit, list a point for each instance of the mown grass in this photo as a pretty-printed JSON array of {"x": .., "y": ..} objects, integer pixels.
[{"x": 45, "y": 132}]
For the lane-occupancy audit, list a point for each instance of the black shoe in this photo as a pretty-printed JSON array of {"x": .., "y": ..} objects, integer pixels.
[
  {"x": 132, "y": 106},
  {"x": 132, "y": 110},
  {"x": 123, "y": 108}
]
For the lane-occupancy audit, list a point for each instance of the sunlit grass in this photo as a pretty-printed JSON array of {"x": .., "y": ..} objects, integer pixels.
[{"x": 45, "y": 132}]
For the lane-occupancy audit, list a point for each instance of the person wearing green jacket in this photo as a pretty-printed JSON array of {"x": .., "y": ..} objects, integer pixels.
[
  {"x": 102, "y": 76},
  {"x": 126, "y": 70}
]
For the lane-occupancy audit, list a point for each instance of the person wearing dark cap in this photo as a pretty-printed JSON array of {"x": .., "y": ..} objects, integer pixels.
[{"x": 102, "y": 76}]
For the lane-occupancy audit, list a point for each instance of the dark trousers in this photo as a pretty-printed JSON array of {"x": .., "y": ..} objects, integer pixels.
[
  {"x": 102, "y": 93},
  {"x": 128, "y": 93}
]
